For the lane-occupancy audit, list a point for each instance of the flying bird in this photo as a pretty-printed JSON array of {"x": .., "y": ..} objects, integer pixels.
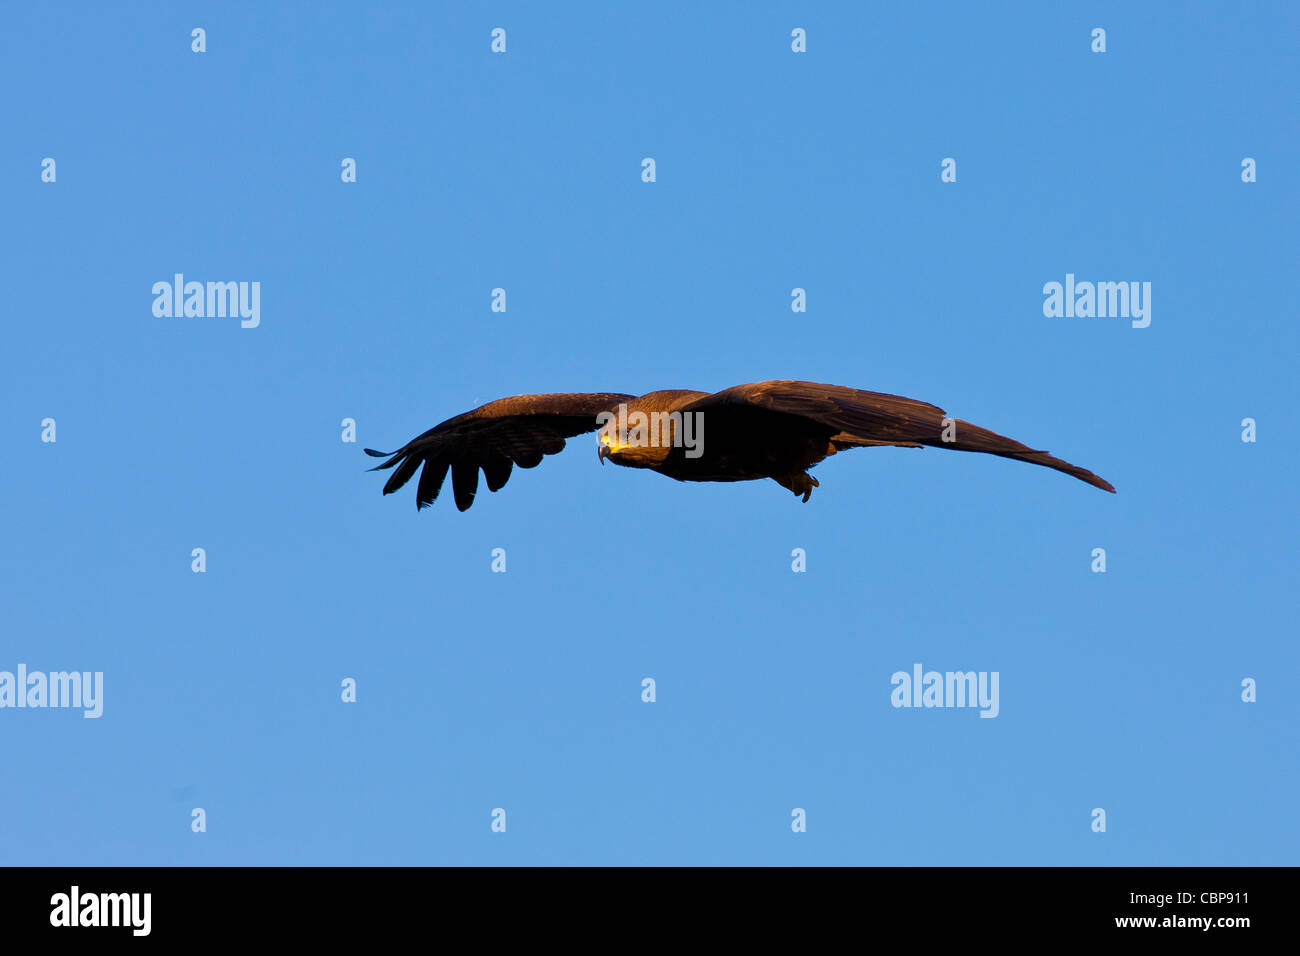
[{"x": 774, "y": 430}]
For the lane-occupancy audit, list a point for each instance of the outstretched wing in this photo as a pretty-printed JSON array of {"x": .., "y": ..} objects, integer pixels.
[
  {"x": 494, "y": 437},
  {"x": 858, "y": 418}
]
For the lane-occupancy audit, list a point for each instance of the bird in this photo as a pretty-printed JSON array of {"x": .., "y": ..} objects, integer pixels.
[{"x": 775, "y": 429}]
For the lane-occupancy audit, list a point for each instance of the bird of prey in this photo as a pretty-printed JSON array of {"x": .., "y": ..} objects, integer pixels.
[{"x": 774, "y": 430}]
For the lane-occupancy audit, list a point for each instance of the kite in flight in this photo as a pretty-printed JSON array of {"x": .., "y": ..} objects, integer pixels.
[{"x": 774, "y": 430}]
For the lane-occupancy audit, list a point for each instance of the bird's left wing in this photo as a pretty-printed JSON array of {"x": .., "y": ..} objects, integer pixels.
[
  {"x": 853, "y": 417},
  {"x": 495, "y": 437}
]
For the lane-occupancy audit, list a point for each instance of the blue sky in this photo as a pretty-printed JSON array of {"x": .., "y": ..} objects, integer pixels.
[{"x": 522, "y": 170}]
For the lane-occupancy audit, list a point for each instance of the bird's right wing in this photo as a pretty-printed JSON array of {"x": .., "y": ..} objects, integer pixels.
[{"x": 494, "y": 437}]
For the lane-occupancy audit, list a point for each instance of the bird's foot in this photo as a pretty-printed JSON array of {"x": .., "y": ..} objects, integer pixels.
[{"x": 801, "y": 484}]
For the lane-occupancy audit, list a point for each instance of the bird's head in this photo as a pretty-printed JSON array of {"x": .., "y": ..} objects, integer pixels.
[
  {"x": 624, "y": 450},
  {"x": 636, "y": 437}
]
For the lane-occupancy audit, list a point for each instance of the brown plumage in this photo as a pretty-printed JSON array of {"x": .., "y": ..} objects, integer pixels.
[{"x": 774, "y": 430}]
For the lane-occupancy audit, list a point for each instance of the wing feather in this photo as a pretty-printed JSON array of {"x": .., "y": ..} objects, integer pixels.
[
  {"x": 431, "y": 479},
  {"x": 520, "y": 430}
]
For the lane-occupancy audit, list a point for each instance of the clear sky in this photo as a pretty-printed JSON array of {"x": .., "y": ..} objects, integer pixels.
[{"x": 522, "y": 170}]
